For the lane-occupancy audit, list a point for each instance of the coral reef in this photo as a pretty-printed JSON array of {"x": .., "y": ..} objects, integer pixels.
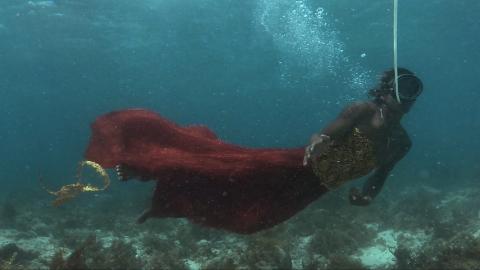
[
  {"x": 92, "y": 255},
  {"x": 344, "y": 262},
  {"x": 11, "y": 250},
  {"x": 10, "y": 264},
  {"x": 459, "y": 252},
  {"x": 417, "y": 228}
]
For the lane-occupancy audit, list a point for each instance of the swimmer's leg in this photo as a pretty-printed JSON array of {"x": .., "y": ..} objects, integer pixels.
[{"x": 144, "y": 216}]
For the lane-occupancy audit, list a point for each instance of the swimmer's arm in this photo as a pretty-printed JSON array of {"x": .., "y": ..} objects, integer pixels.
[
  {"x": 374, "y": 183},
  {"x": 343, "y": 124},
  {"x": 346, "y": 120}
]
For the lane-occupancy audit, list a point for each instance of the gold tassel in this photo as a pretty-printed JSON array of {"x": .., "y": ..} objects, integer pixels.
[{"x": 68, "y": 192}]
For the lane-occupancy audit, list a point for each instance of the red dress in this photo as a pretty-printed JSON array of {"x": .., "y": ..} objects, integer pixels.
[{"x": 202, "y": 178}]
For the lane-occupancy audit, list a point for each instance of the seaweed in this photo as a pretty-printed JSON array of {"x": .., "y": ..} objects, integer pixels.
[
  {"x": 221, "y": 263},
  {"x": 167, "y": 260},
  {"x": 417, "y": 210},
  {"x": 267, "y": 253},
  {"x": 119, "y": 255},
  {"x": 10, "y": 264},
  {"x": 343, "y": 238},
  {"x": 11, "y": 250},
  {"x": 404, "y": 257},
  {"x": 91, "y": 255},
  {"x": 344, "y": 262},
  {"x": 460, "y": 252},
  {"x": 76, "y": 260}
]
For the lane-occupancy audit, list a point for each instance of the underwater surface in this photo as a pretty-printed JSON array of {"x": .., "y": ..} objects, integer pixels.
[{"x": 259, "y": 73}]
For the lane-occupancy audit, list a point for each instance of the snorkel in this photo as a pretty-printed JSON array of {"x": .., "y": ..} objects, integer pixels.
[
  {"x": 395, "y": 64},
  {"x": 407, "y": 87}
]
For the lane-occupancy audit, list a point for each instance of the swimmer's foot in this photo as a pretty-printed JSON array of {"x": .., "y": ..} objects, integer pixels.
[
  {"x": 144, "y": 216},
  {"x": 125, "y": 173}
]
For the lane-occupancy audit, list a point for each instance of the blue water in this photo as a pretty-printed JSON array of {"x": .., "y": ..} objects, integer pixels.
[{"x": 257, "y": 72}]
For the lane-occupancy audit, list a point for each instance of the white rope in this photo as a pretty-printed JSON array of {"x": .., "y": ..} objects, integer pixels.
[{"x": 395, "y": 65}]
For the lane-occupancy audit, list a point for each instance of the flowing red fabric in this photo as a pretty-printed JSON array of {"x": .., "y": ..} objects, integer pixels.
[{"x": 202, "y": 178}]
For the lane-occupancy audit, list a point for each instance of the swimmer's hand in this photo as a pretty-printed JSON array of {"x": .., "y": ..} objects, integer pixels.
[
  {"x": 318, "y": 145},
  {"x": 357, "y": 198}
]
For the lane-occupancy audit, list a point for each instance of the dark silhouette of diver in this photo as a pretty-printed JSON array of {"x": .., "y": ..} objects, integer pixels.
[{"x": 378, "y": 120}]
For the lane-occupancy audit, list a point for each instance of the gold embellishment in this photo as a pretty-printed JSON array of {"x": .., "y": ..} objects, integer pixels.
[
  {"x": 348, "y": 159},
  {"x": 71, "y": 191}
]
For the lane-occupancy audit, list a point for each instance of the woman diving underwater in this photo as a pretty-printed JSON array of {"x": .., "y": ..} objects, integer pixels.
[
  {"x": 245, "y": 190},
  {"x": 373, "y": 124}
]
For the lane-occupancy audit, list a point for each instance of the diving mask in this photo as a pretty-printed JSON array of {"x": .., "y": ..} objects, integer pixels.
[{"x": 409, "y": 87}]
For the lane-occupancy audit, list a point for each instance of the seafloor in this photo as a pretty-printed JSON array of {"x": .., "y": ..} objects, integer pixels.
[{"x": 419, "y": 227}]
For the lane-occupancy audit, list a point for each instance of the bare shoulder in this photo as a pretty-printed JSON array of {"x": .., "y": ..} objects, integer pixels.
[{"x": 359, "y": 108}]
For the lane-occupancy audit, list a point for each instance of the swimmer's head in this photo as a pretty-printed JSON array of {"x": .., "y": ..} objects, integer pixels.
[{"x": 409, "y": 88}]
